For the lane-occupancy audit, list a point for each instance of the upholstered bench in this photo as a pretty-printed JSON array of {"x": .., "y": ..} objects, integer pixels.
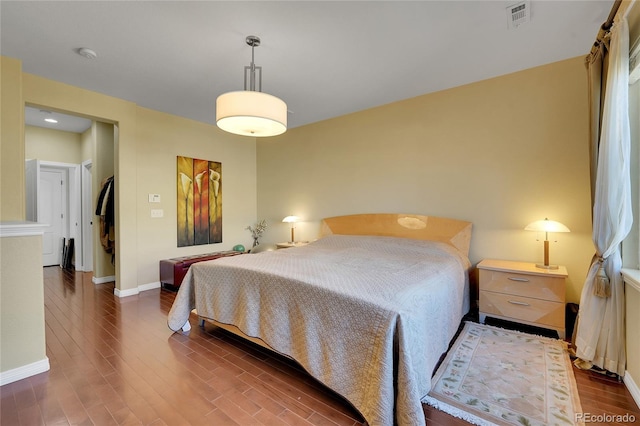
[{"x": 172, "y": 271}]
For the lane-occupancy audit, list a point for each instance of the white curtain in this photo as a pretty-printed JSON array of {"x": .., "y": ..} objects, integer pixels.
[{"x": 600, "y": 332}]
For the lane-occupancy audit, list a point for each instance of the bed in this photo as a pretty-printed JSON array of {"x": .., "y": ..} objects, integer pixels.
[{"x": 367, "y": 309}]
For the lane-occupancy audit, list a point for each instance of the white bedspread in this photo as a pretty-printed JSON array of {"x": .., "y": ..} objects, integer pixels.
[{"x": 358, "y": 313}]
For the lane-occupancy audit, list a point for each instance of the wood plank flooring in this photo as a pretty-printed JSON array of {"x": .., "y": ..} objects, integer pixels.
[{"x": 114, "y": 361}]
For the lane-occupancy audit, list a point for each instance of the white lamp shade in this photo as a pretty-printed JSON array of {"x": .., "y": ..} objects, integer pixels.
[
  {"x": 546, "y": 225},
  {"x": 251, "y": 113},
  {"x": 290, "y": 219}
]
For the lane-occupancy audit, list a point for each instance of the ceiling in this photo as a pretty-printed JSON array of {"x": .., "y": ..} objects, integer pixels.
[
  {"x": 64, "y": 122},
  {"x": 323, "y": 58}
]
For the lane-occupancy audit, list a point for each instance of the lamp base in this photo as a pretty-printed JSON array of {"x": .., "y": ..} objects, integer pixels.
[{"x": 542, "y": 266}]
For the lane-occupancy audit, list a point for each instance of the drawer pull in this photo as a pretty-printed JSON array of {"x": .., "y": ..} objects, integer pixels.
[
  {"x": 515, "y": 302},
  {"x": 522, "y": 280}
]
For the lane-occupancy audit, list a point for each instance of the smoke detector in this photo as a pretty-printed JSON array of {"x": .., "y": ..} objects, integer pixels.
[
  {"x": 518, "y": 14},
  {"x": 87, "y": 53}
]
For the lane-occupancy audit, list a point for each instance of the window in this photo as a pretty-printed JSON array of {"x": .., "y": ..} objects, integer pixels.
[{"x": 631, "y": 244}]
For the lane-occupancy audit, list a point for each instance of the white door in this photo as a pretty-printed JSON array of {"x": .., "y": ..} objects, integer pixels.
[{"x": 51, "y": 211}]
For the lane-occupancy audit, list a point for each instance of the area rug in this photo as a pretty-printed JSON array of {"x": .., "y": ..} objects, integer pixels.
[{"x": 493, "y": 376}]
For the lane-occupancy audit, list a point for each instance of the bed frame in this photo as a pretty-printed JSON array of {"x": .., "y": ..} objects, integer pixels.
[{"x": 451, "y": 231}]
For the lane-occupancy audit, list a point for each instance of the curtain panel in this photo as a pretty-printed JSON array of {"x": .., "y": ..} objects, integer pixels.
[
  {"x": 597, "y": 70},
  {"x": 600, "y": 331}
]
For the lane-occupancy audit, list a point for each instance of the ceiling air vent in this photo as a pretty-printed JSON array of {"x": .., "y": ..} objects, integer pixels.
[{"x": 518, "y": 14}]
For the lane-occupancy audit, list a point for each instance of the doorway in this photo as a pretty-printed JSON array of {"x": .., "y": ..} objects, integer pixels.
[
  {"x": 86, "y": 145},
  {"x": 53, "y": 152}
]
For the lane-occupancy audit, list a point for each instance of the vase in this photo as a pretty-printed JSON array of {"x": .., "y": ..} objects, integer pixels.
[{"x": 255, "y": 241}]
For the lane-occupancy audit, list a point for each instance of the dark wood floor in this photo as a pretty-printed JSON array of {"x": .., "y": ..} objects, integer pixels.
[{"x": 114, "y": 361}]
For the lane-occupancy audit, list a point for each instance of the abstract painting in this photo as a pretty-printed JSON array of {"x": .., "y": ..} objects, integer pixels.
[{"x": 199, "y": 201}]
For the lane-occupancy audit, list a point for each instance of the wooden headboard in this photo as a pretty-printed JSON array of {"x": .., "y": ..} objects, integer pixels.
[{"x": 451, "y": 231}]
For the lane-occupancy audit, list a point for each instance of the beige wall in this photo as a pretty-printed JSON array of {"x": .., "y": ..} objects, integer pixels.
[
  {"x": 500, "y": 153},
  {"x": 163, "y": 137},
  {"x": 21, "y": 290},
  {"x": 86, "y": 145},
  {"x": 12, "y": 202},
  {"x": 21, "y": 302},
  {"x": 52, "y": 145}
]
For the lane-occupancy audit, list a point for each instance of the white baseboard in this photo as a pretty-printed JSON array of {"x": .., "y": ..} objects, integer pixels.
[
  {"x": 126, "y": 293},
  {"x": 103, "y": 280},
  {"x": 23, "y": 372},
  {"x": 632, "y": 386},
  {"x": 150, "y": 286},
  {"x": 134, "y": 291}
]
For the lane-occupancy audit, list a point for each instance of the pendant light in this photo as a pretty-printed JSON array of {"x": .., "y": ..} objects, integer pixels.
[{"x": 250, "y": 112}]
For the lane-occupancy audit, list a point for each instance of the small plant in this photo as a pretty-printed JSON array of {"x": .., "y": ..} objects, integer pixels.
[{"x": 257, "y": 230}]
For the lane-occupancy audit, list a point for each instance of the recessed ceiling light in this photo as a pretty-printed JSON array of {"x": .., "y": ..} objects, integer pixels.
[
  {"x": 51, "y": 120},
  {"x": 87, "y": 53}
]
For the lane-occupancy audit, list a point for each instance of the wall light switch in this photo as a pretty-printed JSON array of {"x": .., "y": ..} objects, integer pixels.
[
  {"x": 157, "y": 212},
  {"x": 154, "y": 198}
]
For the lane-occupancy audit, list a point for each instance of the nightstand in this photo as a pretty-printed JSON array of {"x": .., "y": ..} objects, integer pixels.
[
  {"x": 289, "y": 244},
  {"x": 523, "y": 293}
]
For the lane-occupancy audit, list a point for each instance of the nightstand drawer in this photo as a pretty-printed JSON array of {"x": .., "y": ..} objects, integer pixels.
[
  {"x": 523, "y": 308},
  {"x": 526, "y": 285}
]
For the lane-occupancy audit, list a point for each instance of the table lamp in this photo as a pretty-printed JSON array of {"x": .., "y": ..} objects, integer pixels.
[
  {"x": 292, "y": 220},
  {"x": 546, "y": 226}
]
